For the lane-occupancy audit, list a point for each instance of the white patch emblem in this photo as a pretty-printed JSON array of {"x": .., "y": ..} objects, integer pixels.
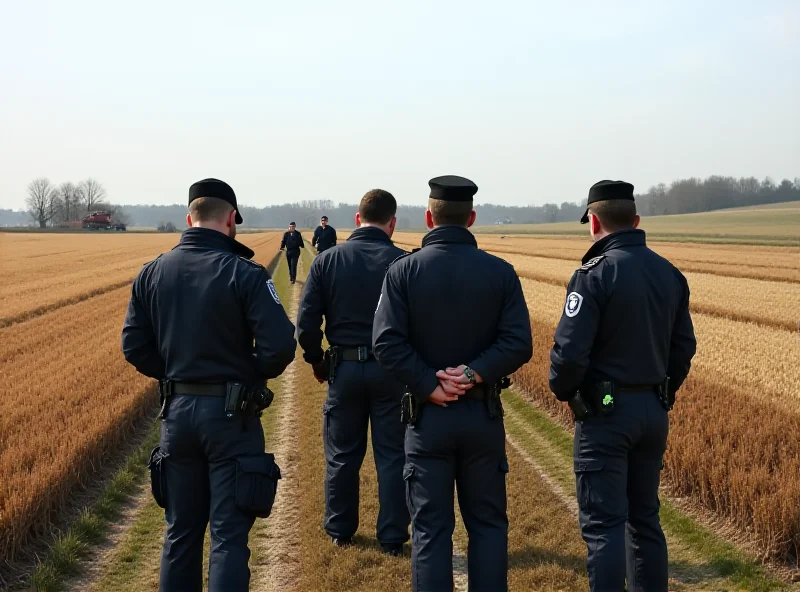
[
  {"x": 573, "y": 306},
  {"x": 379, "y": 302},
  {"x": 273, "y": 291}
]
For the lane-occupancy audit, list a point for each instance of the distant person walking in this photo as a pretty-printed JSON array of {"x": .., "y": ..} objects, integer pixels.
[
  {"x": 324, "y": 236},
  {"x": 623, "y": 346},
  {"x": 292, "y": 242}
]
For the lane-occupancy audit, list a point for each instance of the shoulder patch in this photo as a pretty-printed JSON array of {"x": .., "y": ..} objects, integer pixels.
[
  {"x": 591, "y": 263},
  {"x": 251, "y": 262},
  {"x": 273, "y": 291},
  {"x": 573, "y": 304}
]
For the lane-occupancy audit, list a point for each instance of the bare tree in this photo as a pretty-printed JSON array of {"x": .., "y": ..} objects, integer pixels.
[
  {"x": 92, "y": 193},
  {"x": 70, "y": 197},
  {"x": 42, "y": 201}
]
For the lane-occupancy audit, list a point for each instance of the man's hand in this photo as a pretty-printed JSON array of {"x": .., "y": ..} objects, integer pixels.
[
  {"x": 457, "y": 376},
  {"x": 441, "y": 398},
  {"x": 320, "y": 371}
]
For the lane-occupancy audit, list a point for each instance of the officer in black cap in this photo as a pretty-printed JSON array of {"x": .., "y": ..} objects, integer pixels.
[
  {"x": 324, "y": 236},
  {"x": 622, "y": 349},
  {"x": 205, "y": 320},
  {"x": 292, "y": 242},
  {"x": 451, "y": 324},
  {"x": 343, "y": 286}
]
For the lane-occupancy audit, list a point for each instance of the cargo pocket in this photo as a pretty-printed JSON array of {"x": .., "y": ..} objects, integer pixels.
[
  {"x": 586, "y": 471},
  {"x": 256, "y": 484},
  {"x": 408, "y": 477},
  {"x": 158, "y": 478}
]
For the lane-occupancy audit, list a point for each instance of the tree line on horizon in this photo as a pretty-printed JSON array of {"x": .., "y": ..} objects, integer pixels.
[{"x": 65, "y": 204}]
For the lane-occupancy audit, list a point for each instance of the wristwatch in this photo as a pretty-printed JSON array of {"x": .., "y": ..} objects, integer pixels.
[{"x": 470, "y": 374}]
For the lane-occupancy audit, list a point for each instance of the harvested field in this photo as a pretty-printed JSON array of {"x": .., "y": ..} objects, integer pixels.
[{"x": 733, "y": 447}]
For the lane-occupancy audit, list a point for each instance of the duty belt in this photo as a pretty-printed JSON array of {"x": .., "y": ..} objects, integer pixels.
[
  {"x": 199, "y": 389},
  {"x": 354, "y": 354},
  {"x": 478, "y": 392}
]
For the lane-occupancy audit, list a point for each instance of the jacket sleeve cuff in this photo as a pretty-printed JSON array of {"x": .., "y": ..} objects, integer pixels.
[
  {"x": 482, "y": 369},
  {"x": 424, "y": 389},
  {"x": 314, "y": 357}
]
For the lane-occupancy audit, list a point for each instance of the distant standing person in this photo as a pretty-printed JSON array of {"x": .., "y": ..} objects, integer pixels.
[
  {"x": 324, "y": 236},
  {"x": 343, "y": 286},
  {"x": 292, "y": 242},
  {"x": 205, "y": 320},
  {"x": 622, "y": 349},
  {"x": 451, "y": 324}
]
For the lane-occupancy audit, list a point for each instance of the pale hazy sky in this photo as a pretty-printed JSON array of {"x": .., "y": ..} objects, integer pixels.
[{"x": 293, "y": 100}]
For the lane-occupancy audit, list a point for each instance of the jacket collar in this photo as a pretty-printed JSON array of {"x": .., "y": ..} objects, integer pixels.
[
  {"x": 369, "y": 233},
  {"x": 622, "y": 238},
  {"x": 449, "y": 234},
  {"x": 215, "y": 241}
]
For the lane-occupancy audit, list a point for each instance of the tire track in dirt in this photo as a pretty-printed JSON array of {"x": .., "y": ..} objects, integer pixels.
[{"x": 277, "y": 542}]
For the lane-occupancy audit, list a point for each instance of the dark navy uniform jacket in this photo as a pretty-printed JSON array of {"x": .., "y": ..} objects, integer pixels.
[
  {"x": 626, "y": 319},
  {"x": 324, "y": 238},
  {"x": 344, "y": 285},
  {"x": 448, "y": 304},
  {"x": 292, "y": 241},
  {"x": 195, "y": 311}
]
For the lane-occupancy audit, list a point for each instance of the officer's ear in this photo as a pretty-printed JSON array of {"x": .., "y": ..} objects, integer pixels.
[
  {"x": 189, "y": 220},
  {"x": 636, "y": 220},
  {"x": 231, "y": 222},
  {"x": 429, "y": 219},
  {"x": 594, "y": 224},
  {"x": 472, "y": 216},
  {"x": 358, "y": 220}
]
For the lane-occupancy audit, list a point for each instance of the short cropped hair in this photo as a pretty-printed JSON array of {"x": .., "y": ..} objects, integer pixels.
[
  {"x": 614, "y": 214},
  {"x": 450, "y": 212},
  {"x": 377, "y": 207},
  {"x": 209, "y": 209}
]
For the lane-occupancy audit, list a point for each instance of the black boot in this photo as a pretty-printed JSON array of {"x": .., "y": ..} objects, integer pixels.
[{"x": 393, "y": 549}]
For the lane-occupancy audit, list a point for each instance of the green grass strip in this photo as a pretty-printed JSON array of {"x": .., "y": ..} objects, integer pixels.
[
  {"x": 91, "y": 527},
  {"x": 725, "y": 558}
]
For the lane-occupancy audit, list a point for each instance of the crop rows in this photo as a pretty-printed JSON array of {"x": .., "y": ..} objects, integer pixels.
[{"x": 72, "y": 400}]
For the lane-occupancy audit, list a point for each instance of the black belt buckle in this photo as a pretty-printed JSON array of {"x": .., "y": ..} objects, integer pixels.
[{"x": 363, "y": 353}]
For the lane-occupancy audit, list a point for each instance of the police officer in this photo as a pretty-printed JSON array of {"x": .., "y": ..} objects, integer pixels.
[
  {"x": 451, "y": 323},
  {"x": 623, "y": 346},
  {"x": 192, "y": 319},
  {"x": 344, "y": 285},
  {"x": 324, "y": 236},
  {"x": 292, "y": 242}
]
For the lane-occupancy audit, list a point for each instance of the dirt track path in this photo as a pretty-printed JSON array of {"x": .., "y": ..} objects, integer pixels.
[{"x": 276, "y": 541}]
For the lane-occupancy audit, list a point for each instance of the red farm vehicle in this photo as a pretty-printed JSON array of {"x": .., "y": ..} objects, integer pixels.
[{"x": 101, "y": 221}]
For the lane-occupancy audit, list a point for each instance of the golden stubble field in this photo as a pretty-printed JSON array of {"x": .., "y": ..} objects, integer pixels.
[{"x": 734, "y": 445}]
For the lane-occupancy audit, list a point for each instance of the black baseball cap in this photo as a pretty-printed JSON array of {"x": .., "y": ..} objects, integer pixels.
[
  {"x": 215, "y": 188},
  {"x": 605, "y": 190}
]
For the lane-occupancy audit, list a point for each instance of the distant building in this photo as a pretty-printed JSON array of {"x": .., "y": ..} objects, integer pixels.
[{"x": 503, "y": 221}]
